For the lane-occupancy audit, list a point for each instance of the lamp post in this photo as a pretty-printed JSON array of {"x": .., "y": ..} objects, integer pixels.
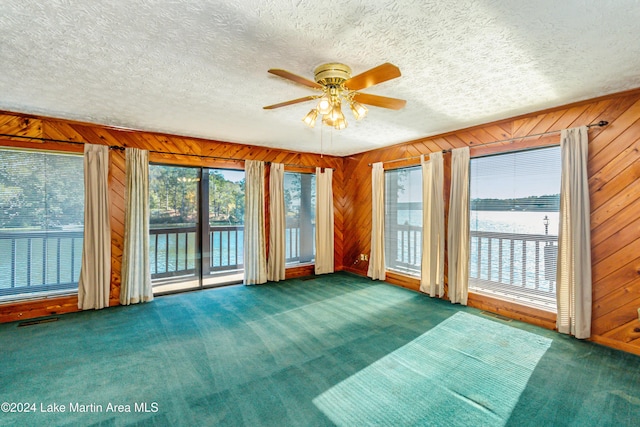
[{"x": 545, "y": 221}]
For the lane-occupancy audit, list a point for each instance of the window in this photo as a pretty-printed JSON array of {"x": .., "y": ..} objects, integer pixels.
[
  {"x": 41, "y": 223},
  {"x": 173, "y": 224},
  {"x": 515, "y": 200},
  {"x": 226, "y": 222},
  {"x": 300, "y": 207},
  {"x": 403, "y": 220},
  {"x": 196, "y": 227}
]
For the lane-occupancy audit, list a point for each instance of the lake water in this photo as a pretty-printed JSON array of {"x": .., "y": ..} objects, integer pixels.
[
  {"x": 497, "y": 221},
  {"x": 515, "y": 222},
  {"x": 522, "y": 257}
]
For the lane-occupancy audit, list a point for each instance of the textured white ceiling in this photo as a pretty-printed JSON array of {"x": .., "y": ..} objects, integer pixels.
[{"x": 199, "y": 68}]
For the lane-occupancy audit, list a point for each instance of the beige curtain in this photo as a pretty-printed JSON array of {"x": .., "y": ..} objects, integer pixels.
[
  {"x": 458, "y": 230},
  {"x": 255, "y": 263},
  {"x": 574, "y": 239},
  {"x": 95, "y": 273},
  {"x": 324, "y": 221},
  {"x": 136, "y": 276},
  {"x": 432, "y": 265},
  {"x": 376, "y": 260},
  {"x": 277, "y": 260}
]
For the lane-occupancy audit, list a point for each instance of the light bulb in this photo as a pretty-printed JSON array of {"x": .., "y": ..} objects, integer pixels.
[
  {"x": 340, "y": 123},
  {"x": 310, "y": 118},
  {"x": 327, "y": 120},
  {"x": 324, "y": 105},
  {"x": 336, "y": 112},
  {"x": 358, "y": 110}
]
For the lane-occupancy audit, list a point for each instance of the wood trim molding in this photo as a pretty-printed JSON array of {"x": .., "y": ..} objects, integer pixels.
[
  {"x": 512, "y": 310},
  {"x": 299, "y": 271},
  {"x": 23, "y": 310},
  {"x": 615, "y": 344},
  {"x": 402, "y": 280}
]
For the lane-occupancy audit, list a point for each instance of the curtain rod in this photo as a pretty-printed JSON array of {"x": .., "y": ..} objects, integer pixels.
[
  {"x": 601, "y": 123},
  {"x": 120, "y": 148}
]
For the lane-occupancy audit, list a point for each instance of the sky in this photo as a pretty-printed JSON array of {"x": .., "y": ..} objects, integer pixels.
[
  {"x": 231, "y": 175},
  {"x": 505, "y": 176},
  {"x": 518, "y": 174}
]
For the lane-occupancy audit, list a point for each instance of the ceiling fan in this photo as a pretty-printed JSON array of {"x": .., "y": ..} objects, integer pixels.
[{"x": 336, "y": 86}]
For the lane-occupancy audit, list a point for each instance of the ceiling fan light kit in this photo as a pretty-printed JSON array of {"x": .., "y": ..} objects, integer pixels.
[{"x": 338, "y": 87}]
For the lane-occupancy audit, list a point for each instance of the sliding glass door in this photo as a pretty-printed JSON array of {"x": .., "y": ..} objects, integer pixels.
[
  {"x": 196, "y": 227},
  {"x": 222, "y": 240},
  {"x": 173, "y": 227}
]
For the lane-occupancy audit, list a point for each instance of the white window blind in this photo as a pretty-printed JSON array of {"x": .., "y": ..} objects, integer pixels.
[
  {"x": 41, "y": 222},
  {"x": 300, "y": 207},
  {"x": 403, "y": 220},
  {"x": 515, "y": 200}
]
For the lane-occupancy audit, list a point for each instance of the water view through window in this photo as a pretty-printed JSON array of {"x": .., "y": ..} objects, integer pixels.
[
  {"x": 403, "y": 220},
  {"x": 41, "y": 223},
  {"x": 188, "y": 252},
  {"x": 514, "y": 220}
]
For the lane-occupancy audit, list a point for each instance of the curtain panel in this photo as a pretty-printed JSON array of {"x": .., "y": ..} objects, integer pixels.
[
  {"x": 376, "y": 260},
  {"x": 324, "y": 222},
  {"x": 277, "y": 224},
  {"x": 432, "y": 263},
  {"x": 573, "y": 272},
  {"x": 255, "y": 263},
  {"x": 458, "y": 229},
  {"x": 136, "y": 276},
  {"x": 95, "y": 273}
]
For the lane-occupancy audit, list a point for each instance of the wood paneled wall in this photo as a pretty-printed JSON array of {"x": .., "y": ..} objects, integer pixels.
[
  {"x": 614, "y": 169},
  {"x": 174, "y": 150}
]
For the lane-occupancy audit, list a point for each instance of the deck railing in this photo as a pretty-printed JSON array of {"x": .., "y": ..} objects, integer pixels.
[
  {"x": 36, "y": 261},
  {"x": 172, "y": 250},
  {"x": 521, "y": 262},
  {"x": 517, "y": 267},
  {"x": 532, "y": 256},
  {"x": 226, "y": 248},
  {"x": 404, "y": 249}
]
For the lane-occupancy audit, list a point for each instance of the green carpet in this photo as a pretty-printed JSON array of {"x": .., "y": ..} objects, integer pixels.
[
  {"x": 467, "y": 370},
  {"x": 282, "y": 354}
]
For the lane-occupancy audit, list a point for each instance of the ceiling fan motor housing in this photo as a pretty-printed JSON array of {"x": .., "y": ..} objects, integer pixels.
[{"x": 333, "y": 73}]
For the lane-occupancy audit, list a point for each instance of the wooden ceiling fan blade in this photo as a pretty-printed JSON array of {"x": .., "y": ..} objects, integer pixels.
[
  {"x": 294, "y": 78},
  {"x": 376, "y": 75},
  {"x": 293, "y": 101},
  {"x": 379, "y": 101}
]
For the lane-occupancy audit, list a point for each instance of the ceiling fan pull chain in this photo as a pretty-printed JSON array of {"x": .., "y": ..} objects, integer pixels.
[
  {"x": 331, "y": 140},
  {"x": 321, "y": 146}
]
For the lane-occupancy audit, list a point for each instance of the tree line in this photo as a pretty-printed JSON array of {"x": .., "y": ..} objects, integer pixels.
[
  {"x": 546, "y": 203},
  {"x": 173, "y": 196},
  {"x": 42, "y": 191}
]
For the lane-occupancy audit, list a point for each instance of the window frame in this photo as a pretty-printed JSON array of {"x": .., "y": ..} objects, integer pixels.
[
  {"x": 545, "y": 253},
  {"x": 205, "y": 272},
  {"x": 52, "y": 241},
  {"x": 413, "y": 260},
  {"x": 304, "y": 250}
]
